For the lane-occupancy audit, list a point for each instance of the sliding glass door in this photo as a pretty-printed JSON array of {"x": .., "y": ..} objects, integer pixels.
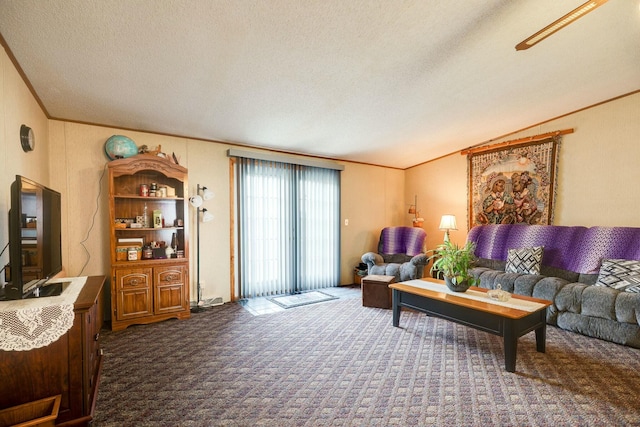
[{"x": 288, "y": 227}]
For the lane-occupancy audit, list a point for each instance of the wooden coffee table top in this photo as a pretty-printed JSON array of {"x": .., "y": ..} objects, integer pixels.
[{"x": 488, "y": 306}]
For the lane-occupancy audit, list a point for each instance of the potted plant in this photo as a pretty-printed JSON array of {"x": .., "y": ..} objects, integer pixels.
[{"x": 454, "y": 263}]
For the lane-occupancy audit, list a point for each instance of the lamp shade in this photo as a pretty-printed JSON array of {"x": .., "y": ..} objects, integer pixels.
[
  {"x": 196, "y": 201},
  {"x": 206, "y": 216},
  {"x": 207, "y": 194},
  {"x": 448, "y": 222}
]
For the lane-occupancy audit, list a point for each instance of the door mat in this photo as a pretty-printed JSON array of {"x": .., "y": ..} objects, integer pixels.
[{"x": 296, "y": 300}]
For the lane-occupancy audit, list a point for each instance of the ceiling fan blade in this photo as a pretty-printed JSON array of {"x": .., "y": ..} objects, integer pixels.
[{"x": 560, "y": 23}]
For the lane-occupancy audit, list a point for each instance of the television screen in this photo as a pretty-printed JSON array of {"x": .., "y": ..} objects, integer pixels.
[{"x": 35, "y": 241}]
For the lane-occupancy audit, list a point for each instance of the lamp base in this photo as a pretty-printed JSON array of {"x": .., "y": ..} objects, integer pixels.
[{"x": 197, "y": 309}]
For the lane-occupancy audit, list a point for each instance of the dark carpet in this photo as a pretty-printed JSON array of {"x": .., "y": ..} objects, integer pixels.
[{"x": 341, "y": 364}]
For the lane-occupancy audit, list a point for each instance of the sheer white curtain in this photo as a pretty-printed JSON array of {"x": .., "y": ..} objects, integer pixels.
[{"x": 288, "y": 227}]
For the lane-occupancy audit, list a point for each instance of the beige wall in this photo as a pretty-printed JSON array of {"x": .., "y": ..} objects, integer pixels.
[
  {"x": 597, "y": 172},
  {"x": 441, "y": 188},
  {"x": 371, "y": 199},
  {"x": 18, "y": 107},
  {"x": 598, "y": 169}
]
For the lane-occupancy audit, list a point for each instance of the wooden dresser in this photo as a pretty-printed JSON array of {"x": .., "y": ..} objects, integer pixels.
[{"x": 69, "y": 366}]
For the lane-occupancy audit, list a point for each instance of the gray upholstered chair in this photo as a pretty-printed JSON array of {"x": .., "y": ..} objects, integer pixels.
[{"x": 400, "y": 254}]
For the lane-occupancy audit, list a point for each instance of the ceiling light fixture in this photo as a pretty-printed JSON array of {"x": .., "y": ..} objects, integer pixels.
[{"x": 560, "y": 23}]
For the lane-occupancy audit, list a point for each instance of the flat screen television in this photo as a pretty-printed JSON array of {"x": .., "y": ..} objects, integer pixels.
[{"x": 35, "y": 240}]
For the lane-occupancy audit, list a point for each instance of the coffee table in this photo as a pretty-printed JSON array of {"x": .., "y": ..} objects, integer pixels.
[{"x": 510, "y": 320}]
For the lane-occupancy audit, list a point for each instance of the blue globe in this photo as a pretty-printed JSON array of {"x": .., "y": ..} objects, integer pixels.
[{"x": 120, "y": 147}]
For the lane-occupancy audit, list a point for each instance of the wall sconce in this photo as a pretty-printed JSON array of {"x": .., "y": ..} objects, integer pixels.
[
  {"x": 197, "y": 201},
  {"x": 448, "y": 222},
  {"x": 413, "y": 210}
]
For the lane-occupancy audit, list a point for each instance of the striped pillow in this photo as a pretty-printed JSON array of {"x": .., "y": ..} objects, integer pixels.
[
  {"x": 525, "y": 260},
  {"x": 621, "y": 274}
]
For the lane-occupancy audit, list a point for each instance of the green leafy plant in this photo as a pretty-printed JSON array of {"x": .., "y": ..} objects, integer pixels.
[{"x": 454, "y": 261}]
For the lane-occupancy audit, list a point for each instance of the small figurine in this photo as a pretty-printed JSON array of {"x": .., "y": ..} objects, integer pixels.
[
  {"x": 157, "y": 151},
  {"x": 498, "y": 294}
]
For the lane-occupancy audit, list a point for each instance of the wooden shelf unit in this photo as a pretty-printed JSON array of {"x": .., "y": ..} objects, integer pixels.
[{"x": 148, "y": 290}]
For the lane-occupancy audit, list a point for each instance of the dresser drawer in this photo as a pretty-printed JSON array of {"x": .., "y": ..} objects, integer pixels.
[
  {"x": 139, "y": 278},
  {"x": 169, "y": 275}
]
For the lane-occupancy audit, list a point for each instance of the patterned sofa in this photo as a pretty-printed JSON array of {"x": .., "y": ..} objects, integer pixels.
[
  {"x": 400, "y": 254},
  {"x": 598, "y": 302}
]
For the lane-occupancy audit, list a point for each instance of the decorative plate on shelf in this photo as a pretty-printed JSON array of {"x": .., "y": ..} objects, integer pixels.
[{"x": 120, "y": 147}]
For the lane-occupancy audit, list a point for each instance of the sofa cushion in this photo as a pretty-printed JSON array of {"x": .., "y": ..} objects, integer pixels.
[
  {"x": 587, "y": 279},
  {"x": 569, "y": 298},
  {"x": 395, "y": 258},
  {"x": 628, "y": 308},
  {"x": 494, "y": 264},
  {"x": 567, "y": 275},
  {"x": 610, "y": 330},
  {"x": 599, "y": 301},
  {"x": 525, "y": 260},
  {"x": 620, "y": 274},
  {"x": 391, "y": 269}
]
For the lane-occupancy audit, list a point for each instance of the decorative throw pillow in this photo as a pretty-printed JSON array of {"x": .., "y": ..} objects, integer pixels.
[
  {"x": 621, "y": 274},
  {"x": 525, "y": 260}
]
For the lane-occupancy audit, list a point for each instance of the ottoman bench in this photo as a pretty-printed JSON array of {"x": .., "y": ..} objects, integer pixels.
[{"x": 376, "y": 291}]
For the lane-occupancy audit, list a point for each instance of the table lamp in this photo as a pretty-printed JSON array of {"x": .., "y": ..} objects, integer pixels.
[{"x": 448, "y": 222}]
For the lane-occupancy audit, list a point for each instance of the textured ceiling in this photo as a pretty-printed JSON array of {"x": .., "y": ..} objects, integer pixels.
[{"x": 386, "y": 82}]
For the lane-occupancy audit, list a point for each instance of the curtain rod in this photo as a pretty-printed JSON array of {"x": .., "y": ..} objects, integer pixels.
[
  {"x": 474, "y": 150},
  {"x": 272, "y": 157}
]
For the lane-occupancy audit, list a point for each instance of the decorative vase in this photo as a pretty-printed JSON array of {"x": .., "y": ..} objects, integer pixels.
[
  {"x": 459, "y": 287},
  {"x": 168, "y": 251}
]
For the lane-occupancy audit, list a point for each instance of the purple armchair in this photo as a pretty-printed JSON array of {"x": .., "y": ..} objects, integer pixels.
[{"x": 400, "y": 254}]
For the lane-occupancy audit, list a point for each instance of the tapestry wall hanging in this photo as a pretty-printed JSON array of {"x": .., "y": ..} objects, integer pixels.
[{"x": 513, "y": 184}]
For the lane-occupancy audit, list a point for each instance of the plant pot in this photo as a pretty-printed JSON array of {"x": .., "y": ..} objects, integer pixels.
[{"x": 459, "y": 287}]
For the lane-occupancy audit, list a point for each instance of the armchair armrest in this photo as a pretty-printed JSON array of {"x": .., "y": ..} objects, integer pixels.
[
  {"x": 414, "y": 268},
  {"x": 371, "y": 259},
  {"x": 420, "y": 259}
]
